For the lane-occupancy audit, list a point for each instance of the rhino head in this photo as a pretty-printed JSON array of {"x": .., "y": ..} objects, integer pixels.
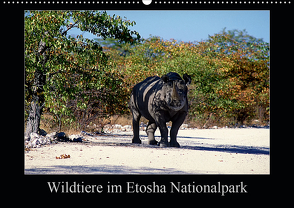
[{"x": 175, "y": 90}]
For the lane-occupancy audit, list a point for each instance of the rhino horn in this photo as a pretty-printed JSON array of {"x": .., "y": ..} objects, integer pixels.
[{"x": 175, "y": 95}]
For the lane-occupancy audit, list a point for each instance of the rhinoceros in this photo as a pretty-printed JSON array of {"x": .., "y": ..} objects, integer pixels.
[{"x": 160, "y": 100}]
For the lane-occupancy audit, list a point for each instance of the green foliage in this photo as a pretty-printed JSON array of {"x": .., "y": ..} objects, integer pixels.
[
  {"x": 230, "y": 72},
  {"x": 72, "y": 69}
]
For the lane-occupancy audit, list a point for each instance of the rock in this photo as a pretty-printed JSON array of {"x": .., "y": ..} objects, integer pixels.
[
  {"x": 117, "y": 126},
  {"x": 86, "y": 133},
  {"x": 36, "y": 140},
  {"x": 107, "y": 126},
  {"x": 126, "y": 128},
  {"x": 34, "y": 136},
  {"x": 27, "y": 138},
  {"x": 76, "y": 138},
  {"x": 62, "y": 137},
  {"x": 52, "y": 135},
  {"x": 80, "y": 139},
  {"x": 36, "y": 143},
  {"x": 115, "y": 131},
  {"x": 42, "y": 140},
  {"x": 42, "y": 132},
  {"x": 71, "y": 137}
]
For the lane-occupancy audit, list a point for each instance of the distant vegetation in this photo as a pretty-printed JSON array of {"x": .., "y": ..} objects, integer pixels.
[
  {"x": 230, "y": 72},
  {"x": 76, "y": 81}
]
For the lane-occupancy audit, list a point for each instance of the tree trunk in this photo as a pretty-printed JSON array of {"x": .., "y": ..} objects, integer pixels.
[
  {"x": 37, "y": 91},
  {"x": 37, "y": 105},
  {"x": 33, "y": 122}
]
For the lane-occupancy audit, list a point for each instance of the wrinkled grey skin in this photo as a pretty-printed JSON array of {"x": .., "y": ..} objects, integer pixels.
[{"x": 160, "y": 100}]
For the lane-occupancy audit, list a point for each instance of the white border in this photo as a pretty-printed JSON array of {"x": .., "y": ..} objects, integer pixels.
[{"x": 138, "y": 2}]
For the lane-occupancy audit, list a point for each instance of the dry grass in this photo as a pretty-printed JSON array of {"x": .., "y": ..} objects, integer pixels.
[
  {"x": 48, "y": 124},
  {"x": 121, "y": 119}
]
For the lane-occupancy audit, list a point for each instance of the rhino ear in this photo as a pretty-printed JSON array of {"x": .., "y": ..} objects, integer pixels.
[
  {"x": 187, "y": 79},
  {"x": 165, "y": 78}
]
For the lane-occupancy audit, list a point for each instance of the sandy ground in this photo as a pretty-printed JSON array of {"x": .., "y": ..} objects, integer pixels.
[{"x": 207, "y": 151}]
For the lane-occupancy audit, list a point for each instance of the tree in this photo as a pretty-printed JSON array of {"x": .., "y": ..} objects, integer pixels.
[
  {"x": 230, "y": 72},
  {"x": 59, "y": 67},
  {"x": 245, "y": 78}
]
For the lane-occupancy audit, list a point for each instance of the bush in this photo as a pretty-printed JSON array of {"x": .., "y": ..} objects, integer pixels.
[{"x": 230, "y": 73}]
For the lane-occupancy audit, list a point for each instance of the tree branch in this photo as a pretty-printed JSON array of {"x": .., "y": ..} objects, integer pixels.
[{"x": 69, "y": 27}]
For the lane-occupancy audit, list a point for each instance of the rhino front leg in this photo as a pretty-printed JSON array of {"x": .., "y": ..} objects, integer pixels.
[
  {"x": 164, "y": 137},
  {"x": 161, "y": 123},
  {"x": 177, "y": 122}
]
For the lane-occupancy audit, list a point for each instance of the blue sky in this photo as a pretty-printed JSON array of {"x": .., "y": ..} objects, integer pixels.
[{"x": 195, "y": 25}]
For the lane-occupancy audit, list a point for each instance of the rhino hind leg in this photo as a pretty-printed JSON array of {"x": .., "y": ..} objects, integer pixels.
[
  {"x": 136, "y": 119},
  {"x": 150, "y": 130}
]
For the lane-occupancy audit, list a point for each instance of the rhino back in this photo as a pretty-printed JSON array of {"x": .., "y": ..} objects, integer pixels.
[{"x": 144, "y": 93}]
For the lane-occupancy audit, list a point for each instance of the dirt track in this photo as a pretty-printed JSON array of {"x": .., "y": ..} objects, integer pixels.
[{"x": 208, "y": 151}]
